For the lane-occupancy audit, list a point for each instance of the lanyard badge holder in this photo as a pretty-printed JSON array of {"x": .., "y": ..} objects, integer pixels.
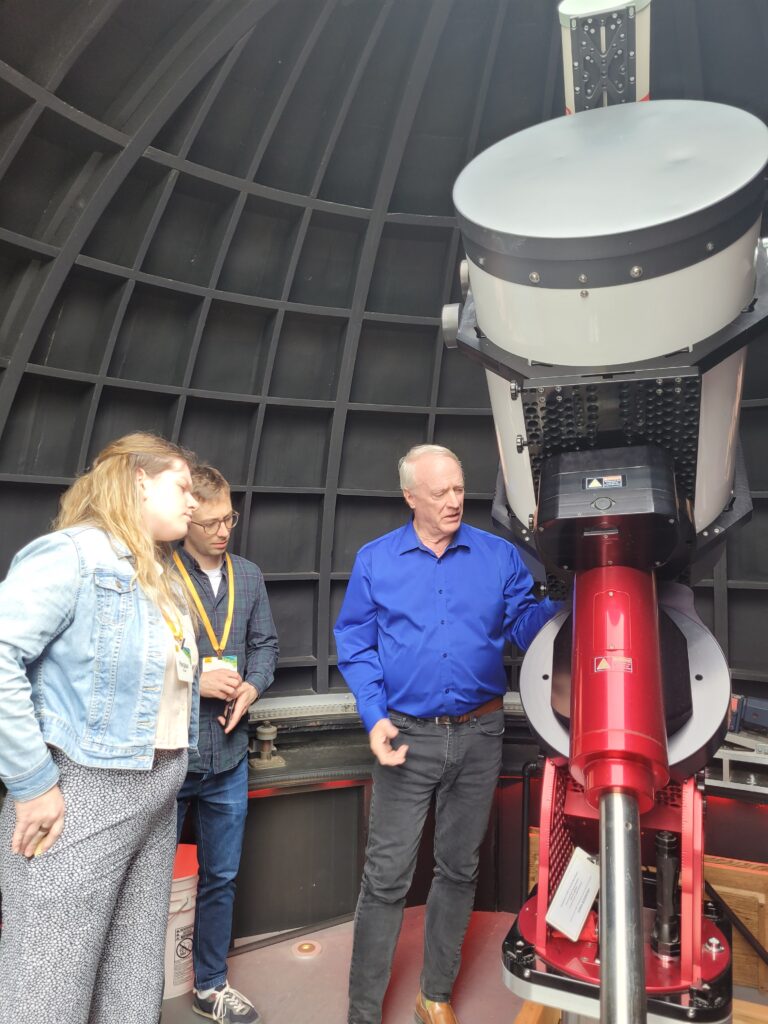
[
  {"x": 221, "y": 660},
  {"x": 183, "y": 655}
]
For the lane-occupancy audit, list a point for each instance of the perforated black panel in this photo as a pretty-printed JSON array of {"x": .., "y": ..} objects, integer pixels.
[{"x": 612, "y": 414}]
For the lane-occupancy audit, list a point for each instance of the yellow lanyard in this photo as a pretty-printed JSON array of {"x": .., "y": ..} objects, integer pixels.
[
  {"x": 176, "y": 628},
  {"x": 217, "y": 646}
]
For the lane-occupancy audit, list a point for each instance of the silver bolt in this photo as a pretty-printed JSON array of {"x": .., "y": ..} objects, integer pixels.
[
  {"x": 631, "y": 53},
  {"x": 705, "y": 533},
  {"x": 577, "y": 88},
  {"x": 636, "y": 271},
  {"x": 583, "y": 278},
  {"x": 534, "y": 277},
  {"x": 710, "y": 246},
  {"x": 584, "y": 293},
  {"x": 481, "y": 260},
  {"x": 575, "y": 64},
  {"x": 718, "y": 529},
  {"x": 526, "y": 973},
  {"x": 631, "y": 79}
]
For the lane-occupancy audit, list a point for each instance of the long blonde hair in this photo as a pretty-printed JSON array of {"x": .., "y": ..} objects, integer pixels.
[{"x": 107, "y": 496}]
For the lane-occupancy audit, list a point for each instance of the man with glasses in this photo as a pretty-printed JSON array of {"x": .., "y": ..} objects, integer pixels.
[{"x": 238, "y": 653}]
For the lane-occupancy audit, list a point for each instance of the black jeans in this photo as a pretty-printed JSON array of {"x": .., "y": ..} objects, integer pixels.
[{"x": 460, "y": 765}]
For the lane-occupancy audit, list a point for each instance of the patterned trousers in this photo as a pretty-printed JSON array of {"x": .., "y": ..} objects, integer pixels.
[{"x": 83, "y": 934}]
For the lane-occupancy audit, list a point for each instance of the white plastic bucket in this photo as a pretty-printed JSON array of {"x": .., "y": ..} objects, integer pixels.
[{"x": 181, "y": 921}]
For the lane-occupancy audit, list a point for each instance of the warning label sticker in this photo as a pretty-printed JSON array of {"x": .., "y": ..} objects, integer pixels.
[
  {"x": 598, "y": 483},
  {"x": 182, "y": 954},
  {"x": 613, "y": 663}
]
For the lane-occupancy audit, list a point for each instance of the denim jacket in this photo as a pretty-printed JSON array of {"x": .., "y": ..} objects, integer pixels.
[{"x": 82, "y": 661}]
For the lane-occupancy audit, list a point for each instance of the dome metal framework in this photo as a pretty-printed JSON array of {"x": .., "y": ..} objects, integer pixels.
[{"x": 231, "y": 223}]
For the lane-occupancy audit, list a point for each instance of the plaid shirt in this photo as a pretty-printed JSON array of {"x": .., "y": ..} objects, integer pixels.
[{"x": 252, "y": 638}]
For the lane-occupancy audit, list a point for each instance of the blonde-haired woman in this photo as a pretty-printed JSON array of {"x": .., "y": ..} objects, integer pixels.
[{"x": 98, "y": 705}]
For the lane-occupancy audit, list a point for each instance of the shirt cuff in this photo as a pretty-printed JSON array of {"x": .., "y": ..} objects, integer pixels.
[
  {"x": 370, "y": 715},
  {"x": 260, "y": 682}
]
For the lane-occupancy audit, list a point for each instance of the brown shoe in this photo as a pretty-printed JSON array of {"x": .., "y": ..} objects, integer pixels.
[{"x": 434, "y": 1013}]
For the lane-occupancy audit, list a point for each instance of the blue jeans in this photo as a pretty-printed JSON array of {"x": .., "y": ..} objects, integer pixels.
[
  {"x": 459, "y": 765},
  {"x": 221, "y": 803}
]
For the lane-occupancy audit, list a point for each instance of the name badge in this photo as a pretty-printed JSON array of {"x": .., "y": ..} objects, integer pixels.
[
  {"x": 184, "y": 668},
  {"x": 227, "y": 661}
]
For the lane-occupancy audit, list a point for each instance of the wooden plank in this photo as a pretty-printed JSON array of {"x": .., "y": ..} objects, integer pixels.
[
  {"x": 534, "y": 1013},
  {"x": 744, "y": 887},
  {"x": 749, "y": 1013}
]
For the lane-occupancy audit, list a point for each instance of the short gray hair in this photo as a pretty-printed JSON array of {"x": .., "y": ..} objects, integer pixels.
[{"x": 405, "y": 465}]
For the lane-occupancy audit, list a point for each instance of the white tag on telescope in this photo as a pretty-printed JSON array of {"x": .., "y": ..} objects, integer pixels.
[{"x": 575, "y": 895}]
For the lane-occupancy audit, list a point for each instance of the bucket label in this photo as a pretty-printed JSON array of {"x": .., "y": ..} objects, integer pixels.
[
  {"x": 182, "y": 954},
  {"x": 613, "y": 663}
]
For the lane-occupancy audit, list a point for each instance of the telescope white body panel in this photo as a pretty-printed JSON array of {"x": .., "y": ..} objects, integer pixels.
[
  {"x": 509, "y": 422},
  {"x": 612, "y": 239},
  {"x": 619, "y": 324},
  {"x": 614, "y": 236},
  {"x": 721, "y": 389}
]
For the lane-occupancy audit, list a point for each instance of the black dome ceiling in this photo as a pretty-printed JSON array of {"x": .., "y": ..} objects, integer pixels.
[{"x": 231, "y": 222}]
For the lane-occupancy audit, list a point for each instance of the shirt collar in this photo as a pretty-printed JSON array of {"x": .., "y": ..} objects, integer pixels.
[
  {"x": 188, "y": 559},
  {"x": 409, "y": 540}
]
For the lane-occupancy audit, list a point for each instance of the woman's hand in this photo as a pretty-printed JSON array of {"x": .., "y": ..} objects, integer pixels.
[{"x": 38, "y": 823}]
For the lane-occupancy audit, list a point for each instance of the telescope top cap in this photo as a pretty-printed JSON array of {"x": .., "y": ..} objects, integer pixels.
[
  {"x": 587, "y": 8},
  {"x": 608, "y": 172}
]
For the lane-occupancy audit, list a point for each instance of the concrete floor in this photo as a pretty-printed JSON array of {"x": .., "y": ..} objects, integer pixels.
[{"x": 289, "y": 990}]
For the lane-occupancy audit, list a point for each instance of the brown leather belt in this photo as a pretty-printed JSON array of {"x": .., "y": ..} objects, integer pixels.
[{"x": 494, "y": 704}]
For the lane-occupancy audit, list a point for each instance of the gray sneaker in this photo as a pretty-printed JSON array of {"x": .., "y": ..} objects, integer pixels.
[{"x": 227, "y": 1005}]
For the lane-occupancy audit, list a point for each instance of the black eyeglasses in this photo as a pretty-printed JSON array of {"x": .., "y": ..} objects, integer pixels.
[{"x": 211, "y": 526}]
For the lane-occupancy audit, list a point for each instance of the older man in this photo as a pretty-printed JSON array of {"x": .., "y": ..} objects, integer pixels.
[{"x": 420, "y": 637}]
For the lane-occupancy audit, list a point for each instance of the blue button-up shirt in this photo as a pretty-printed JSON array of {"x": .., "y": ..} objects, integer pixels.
[{"x": 425, "y": 635}]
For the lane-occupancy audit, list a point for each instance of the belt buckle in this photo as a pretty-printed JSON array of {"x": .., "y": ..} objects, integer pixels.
[{"x": 443, "y": 720}]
